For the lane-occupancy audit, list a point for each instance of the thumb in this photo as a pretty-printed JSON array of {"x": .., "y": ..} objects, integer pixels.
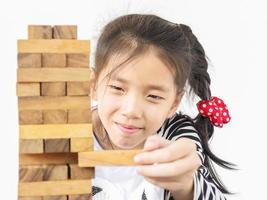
[{"x": 155, "y": 142}]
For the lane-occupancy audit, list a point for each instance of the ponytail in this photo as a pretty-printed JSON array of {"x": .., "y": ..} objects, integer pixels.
[{"x": 199, "y": 81}]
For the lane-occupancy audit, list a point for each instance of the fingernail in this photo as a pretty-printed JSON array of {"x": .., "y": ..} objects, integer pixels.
[{"x": 137, "y": 159}]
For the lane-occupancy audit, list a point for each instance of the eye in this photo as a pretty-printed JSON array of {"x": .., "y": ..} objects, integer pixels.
[
  {"x": 115, "y": 87},
  {"x": 156, "y": 97}
]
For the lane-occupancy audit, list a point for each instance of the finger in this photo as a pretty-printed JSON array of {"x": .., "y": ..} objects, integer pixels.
[
  {"x": 154, "y": 142},
  {"x": 175, "y": 150},
  {"x": 171, "y": 169}
]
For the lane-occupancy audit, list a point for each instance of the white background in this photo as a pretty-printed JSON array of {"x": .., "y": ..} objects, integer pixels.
[{"x": 233, "y": 34}]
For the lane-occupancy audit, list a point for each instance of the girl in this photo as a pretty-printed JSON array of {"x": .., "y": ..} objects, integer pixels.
[{"x": 142, "y": 66}]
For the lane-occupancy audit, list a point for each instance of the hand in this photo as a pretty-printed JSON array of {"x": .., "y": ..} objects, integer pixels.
[{"x": 169, "y": 164}]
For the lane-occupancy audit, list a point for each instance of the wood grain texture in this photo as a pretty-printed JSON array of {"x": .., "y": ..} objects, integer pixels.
[
  {"x": 79, "y": 173},
  {"x": 39, "y": 32},
  {"x": 81, "y": 144},
  {"x": 31, "y": 173},
  {"x": 53, "y": 74},
  {"x": 28, "y": 89},
  {"x": 77, "y": 60},
  {"x": 30, "y": 117},
  {"x": 47, "y": 188},
  {"x": 65, "y": 32},
  {"x": 78, "y": 88},
  {"x": 55, "y": 172},
  {"x": 55, "y": 116},
  {"x": 107, "y": 158},
  {"x": 79, "y": 116},
  {"x": 56, "y": 145},
  {"x": 55, "y": 197},
  {"x": 29, "y": 60},
  {"x": 53, "y": 103},
  {"x": 30, "y": 198},
  {"x": 55, "y": 131},
  {"x": 53, "y": 46},
  {"x": 81, "y": 197},
  {"x": 31, "y": 146},
  {"x": 56, "y": 60},
  {"x": 53, "y": 89},
  {"x": 48, "y": 158}
]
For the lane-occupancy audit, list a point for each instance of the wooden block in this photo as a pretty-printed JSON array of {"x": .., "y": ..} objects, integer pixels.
[
  {"x": 30, "y": 173},
  {"x": 30, "y": 117},
  {"x": 107, "y": 158},
  {"x": 53, "y": 89},
  {"x": 55, "y": 131},
  {"x": 53, "y": 103},
  {"x": 78, "y": 88},
  {"x": 28, "y": 89},
  {"x": 52, "y": 74},
  {"x": 79, "y": 116},
  {"x": 79, "y": 173},
  {"x": 29, "y": 60},
  {"x": 55, "y": 197},
  {"x": 77, "y": 60},
  {"x": 57, "y": 145},
  {"x": 39, "y": 32},
  {"x": 53, "y": 46},
  {"x": 48, "y": 158},
  {"x": 55, "y": 172},
  {"x": 81, "y": 144},
  {"x": 30, "y": 198},
  {"x": 81, "y": 197},
  {"x": 54, "y": 60},
  {"x": 31, "y": 146},
  {"x": 65, "y": 32},
  {"x": 55, "y": 116},
  {"x": 47, "y": 188}
]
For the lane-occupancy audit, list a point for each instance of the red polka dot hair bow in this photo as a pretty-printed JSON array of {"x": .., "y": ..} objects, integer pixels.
[{"x": 216, "y": 110}]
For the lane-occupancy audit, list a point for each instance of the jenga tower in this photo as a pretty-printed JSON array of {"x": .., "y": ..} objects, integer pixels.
[{"x": 54, "y": 114}]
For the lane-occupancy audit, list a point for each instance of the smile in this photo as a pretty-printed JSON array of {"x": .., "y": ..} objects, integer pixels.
[{"x": 127, "y": 129}]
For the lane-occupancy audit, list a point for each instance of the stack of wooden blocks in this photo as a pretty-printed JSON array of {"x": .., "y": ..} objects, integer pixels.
[
  {"x": 56, "y": 157},
  {"x": 54, "y": 114}
]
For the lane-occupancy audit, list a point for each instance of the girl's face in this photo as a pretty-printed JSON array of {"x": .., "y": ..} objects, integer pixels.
[{"x": 136, "y": 101}]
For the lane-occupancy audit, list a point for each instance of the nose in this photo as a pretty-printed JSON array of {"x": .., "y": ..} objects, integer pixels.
[{"x": 131, "y": 107}]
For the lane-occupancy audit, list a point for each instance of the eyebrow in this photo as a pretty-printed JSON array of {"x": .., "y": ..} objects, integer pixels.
[{"x": 150, "y": 86}]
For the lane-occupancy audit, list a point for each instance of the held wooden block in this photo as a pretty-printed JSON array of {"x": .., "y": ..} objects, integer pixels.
[
  {"x": 31, "y": 146},
  {"x": 80, "y": 173},
  {"x": 53, "y": 103},
  {"x": 65, "y": 32},
  {"x": 30, "y": 117},
  {"x": 30, "y": 173},
  {"x": 55, "y": 172},
  {"x": 107, "y": 158},
  {"x": 30, "y": 198},
  {"x": 47, "y": 188},
  {"x": 55, "y": 116},
  {"x": 29, "y": 60},
  {"x": 53, "y": 74},
  {"x": 77, "y": 60},
  {"x": 78, "y": 88},
  {"x": 48, "y": 158},
  {"x": 53, "y": 46},
  {"x": 55, "y": 198},
  {"x": 39, "y": 32},
  {"x": 57, "y": 145},
  {"x": 54, "y": 60},
  {"x": 81, "y": 144},
  {"x": 28, "y": 89},
  {"x": 53, "y": 89},
  {"x": 55, "y": 131},
  {"x": 81, "y": 197}
]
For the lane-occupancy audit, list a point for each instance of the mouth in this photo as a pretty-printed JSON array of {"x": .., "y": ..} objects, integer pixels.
[{"x": 129, "y": 129}]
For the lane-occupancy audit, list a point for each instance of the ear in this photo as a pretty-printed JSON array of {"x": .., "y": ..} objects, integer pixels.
[
  {"x": 175, "y": 104},
  {"x": 93, "y": 84}
]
